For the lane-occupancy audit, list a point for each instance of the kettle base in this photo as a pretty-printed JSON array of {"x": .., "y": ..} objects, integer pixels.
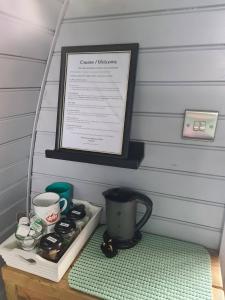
[{"x": 123, "y": 244}]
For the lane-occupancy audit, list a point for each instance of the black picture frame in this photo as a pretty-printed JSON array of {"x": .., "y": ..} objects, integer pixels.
[{"x": 133, "y": 48}]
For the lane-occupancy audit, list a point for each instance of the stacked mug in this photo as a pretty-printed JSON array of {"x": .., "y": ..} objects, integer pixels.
[{"x": 56, "y": 201}]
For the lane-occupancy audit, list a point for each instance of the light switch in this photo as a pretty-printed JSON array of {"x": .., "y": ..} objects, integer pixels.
[
  {"x": 196, "y": 125},
  {"x": 200, "y": 124}
]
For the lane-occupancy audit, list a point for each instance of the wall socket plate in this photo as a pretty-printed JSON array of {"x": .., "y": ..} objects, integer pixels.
[{"x": 200, "y": 124}]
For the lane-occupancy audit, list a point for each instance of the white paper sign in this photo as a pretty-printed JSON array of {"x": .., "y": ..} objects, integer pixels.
[{"x": 95, "y": 101}]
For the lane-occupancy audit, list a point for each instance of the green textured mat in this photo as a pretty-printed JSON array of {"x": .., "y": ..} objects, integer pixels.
[{"x": 157, "y": 268}]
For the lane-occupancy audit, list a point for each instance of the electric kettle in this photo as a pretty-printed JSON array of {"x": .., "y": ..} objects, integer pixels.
[{"x": 121, "y": 208}]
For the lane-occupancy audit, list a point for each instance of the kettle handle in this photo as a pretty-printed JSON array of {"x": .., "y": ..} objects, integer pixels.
[{"x": 147, "y": 202}]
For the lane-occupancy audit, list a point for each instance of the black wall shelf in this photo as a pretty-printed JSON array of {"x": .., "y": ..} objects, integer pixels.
[{"x": 135, "y": 156}]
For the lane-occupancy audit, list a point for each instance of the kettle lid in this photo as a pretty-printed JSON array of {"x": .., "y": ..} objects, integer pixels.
[{"x": 119, "y": 194}]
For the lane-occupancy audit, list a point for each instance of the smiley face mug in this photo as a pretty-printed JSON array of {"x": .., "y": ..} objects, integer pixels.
[{"x": 47, "y": 207}]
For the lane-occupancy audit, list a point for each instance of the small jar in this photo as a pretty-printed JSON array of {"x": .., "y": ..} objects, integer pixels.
[
  {"x": 26, "y": 243},
  {"x": 26, "y": 238},
  {"x": 67, "y": 229},
  {"x": 78, "y": 215},
  {"x": 51, "y": 247}
]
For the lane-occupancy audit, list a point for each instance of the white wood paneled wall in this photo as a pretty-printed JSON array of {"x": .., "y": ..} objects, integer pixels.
[
  {"x": 181, "y": 66},
  {"x": 26, "y": 30}
]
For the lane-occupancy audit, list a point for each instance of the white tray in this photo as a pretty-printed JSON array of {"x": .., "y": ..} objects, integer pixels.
[{"x": 14, "y": 257}]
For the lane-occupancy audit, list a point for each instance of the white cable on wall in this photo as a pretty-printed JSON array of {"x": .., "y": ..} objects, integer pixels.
[{"x": 38, "y": 109}]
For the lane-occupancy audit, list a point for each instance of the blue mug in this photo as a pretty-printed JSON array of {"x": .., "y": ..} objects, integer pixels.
[{"x": 65, "y": 191}]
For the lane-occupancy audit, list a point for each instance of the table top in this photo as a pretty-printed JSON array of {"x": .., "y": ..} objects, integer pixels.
[{"x": 61, "y": 290}]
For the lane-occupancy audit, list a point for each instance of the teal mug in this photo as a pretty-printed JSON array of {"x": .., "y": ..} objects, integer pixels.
[{"x": 65, "y": 191}]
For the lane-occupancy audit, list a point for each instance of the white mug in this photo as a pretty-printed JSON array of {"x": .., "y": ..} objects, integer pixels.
[{"x": 46, "y": 207}]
